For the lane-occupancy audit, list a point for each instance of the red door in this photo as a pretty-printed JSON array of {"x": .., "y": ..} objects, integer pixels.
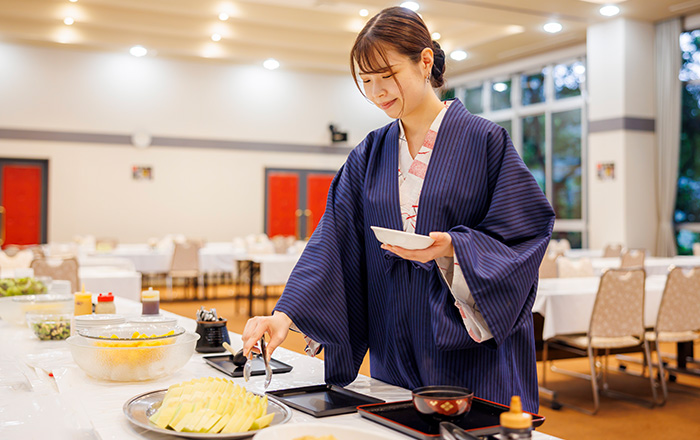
[
  {"x": 317, "y": 186},
  {"x": 22, "y": 199},
  {"x": 282, "y": 203}
]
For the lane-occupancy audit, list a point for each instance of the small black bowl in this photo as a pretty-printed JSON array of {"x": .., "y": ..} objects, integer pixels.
[{"x": 443, "y": 402}]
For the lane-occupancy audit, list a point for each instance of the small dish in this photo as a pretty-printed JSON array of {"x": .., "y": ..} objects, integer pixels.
[
  {"x": 443, "y": 402},
  {"x": 50, "y": 327},
  {"x": 403, "y": 239}
]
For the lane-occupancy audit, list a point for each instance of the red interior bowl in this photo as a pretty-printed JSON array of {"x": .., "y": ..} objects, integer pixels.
[{"x": 442, "y": 401}]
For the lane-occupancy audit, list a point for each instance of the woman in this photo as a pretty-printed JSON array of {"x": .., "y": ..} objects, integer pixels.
[{"x": 459, "y": 311}]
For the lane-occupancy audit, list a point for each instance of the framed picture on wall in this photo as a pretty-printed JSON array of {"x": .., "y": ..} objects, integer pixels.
[{"x": 141, "y": 172}]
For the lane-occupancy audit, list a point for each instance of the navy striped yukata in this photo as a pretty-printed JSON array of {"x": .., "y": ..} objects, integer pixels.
[{"x": 350, "y": 295}]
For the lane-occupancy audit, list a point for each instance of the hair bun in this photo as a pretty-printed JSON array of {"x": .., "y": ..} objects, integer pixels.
[{"x": 436, "y": 74}]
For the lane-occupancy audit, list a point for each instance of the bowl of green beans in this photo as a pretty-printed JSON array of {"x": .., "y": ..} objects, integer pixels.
[{"x": 50, "y": 327}]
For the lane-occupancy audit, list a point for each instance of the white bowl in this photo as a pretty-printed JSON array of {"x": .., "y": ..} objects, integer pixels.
[
  {"x": 340, "y": 432},
  {"x": 401, "y": 238}
]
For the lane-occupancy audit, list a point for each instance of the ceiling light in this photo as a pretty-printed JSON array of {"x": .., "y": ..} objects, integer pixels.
[
  {"x": 609, "y": 10},
  {"x": 72, "y": 1},
  {"x": 458, "y": 55},
  {"x": 68, "y": 21},
  {"x": 413, "y": 6},
  {"x": 215, "y": 37},
  {"x": 552, "y": 27},
  {"x": 138, "y": 51},
  {"x": 364, "y": 12},
  {"x": 223, "y": 16},
  {"x": 271, "y": 64},
  {"x": 500, "y": 87},
  {"x": 436, "y": 35}
]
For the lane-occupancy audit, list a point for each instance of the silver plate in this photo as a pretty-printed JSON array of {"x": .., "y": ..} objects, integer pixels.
[{"x": 139, "y": 408}]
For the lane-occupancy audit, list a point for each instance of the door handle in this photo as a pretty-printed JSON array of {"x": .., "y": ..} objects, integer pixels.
[
  {"x": 298, "y": 213},
  {"x": 2, "y": 228},
  {"x": 309, "y": 225}
]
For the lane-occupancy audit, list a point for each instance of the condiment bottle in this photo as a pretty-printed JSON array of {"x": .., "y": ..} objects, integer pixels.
[
  {"x": 150, "y": 301},
  {"x": 516, "y": 424},
  {"x": 82, "y": 302},
  {"x": 105, "y": 304}
]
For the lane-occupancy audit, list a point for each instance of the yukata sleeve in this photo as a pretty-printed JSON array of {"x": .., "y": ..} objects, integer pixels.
[
  {"x": 325, "y": 296},
  {"x": 499, "y": 258},
  {"x": 472, "y": 317}
]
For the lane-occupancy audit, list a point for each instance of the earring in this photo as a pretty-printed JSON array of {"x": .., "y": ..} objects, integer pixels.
[{"x": 427, "y": 79}]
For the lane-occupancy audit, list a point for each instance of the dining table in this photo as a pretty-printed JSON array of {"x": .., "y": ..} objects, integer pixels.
[{"x": 44, "y": 394}]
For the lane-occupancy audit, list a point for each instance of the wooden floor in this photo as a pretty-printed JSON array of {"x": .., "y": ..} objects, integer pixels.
[{"x": 679, "y": 419}]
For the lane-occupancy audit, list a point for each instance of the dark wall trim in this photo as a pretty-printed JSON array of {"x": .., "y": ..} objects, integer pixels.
[
  {"x": 162, "y": 141},
  {"x": 625, "y": 123}
]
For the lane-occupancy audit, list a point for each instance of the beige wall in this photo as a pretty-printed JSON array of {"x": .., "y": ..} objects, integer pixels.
[{"x": 211, "y": 193}]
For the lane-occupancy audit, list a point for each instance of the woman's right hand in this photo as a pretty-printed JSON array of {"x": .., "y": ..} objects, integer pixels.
[{"x": 277, "y": 326}]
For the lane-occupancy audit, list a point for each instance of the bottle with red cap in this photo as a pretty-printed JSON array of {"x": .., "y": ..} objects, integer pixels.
[{"x": 105, "y": 304}]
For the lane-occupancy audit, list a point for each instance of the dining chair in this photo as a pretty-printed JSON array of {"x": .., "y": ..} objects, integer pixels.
[
  {"x": 21, "y": 259},
  {"x": 574, "y": 268},
  {"x": 548, "y": 266},
  {"x": 696, "y": 249},
  {"x": 185, "y": 265},
  {"x": 612, "y": 251},
  {"x": 58, "y": 269},
  {"x": 617, "y": 321},
  {"x": 678, "y": 319},
  {"x": 632, "y": 258}
]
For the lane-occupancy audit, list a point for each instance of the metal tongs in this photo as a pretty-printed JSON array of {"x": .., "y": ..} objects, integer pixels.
[
  {"x": 450, "y": 431},
  {"x": 249, "y": 364}
]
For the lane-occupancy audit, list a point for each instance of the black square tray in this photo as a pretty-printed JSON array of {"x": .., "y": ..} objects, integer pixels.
[
  {"x": 323, "y": 400},
  {"x": 482, "y": 419},
  {"x": 224, "y": 363}
]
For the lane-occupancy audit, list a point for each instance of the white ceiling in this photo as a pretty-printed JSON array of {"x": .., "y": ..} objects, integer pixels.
[{"x": 309, "y": 34}]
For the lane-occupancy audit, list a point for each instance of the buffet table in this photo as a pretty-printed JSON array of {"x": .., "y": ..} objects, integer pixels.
[{"x": 71, "y": 405}]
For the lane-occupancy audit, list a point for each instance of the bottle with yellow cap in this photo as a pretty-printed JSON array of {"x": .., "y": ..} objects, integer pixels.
[{"x": 516, "y": 424}]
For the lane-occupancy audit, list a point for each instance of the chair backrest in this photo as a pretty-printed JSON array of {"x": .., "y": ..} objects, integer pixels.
[
  {"x": 696, "y": 249},
  {"x": 185, "y": 256},
  {"x": 680, "y": 305},
  {"x": 58, "y": 269},
  {"x": 632, "y": 258},
  {"x": 548, "y": 266},
  {"x": 612, "y": 251},
  {"x": 619, "y": 304},
  {"x": 568, "y": 268}
]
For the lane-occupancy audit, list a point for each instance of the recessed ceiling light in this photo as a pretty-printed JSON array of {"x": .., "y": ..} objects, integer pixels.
[
  {"x": 72, "y": 1},
  {"x": 138, "y": 51},
  {"x": 223, "y": 16},
  {"x": 458, "y": 55},
  {"x": 68, "y": 21},
  {"x": 364, "y": 12},
  {"x": 552, "y": 27},
  {"x": 271, "y": 64},
  {"x": 609, "y": 10},
  {"x": 500, "y": 87},
  {"x": 413, "y": 6},
  {"x": 436, "y": 35},
  {"x": 215, "y": 37}
]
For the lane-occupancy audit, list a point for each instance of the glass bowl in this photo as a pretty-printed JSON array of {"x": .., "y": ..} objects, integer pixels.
[
  {"x": 443, "y": 402},
  {"x": 121, "y": 363},
  {"x": 13, "y": 309},
  {"x": 50, "y": 327}
]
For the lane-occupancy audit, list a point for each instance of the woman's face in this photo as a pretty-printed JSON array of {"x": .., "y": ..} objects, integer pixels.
[{"x": 384, "y": 91}]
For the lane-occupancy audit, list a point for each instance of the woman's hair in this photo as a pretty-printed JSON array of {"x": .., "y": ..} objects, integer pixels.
[{"x": 400, "y": 29}]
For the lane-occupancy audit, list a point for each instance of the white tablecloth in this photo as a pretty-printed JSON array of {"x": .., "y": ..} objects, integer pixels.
[
  {"x": 274, "y": 268},
  {"x": 96, "y": 406},
  {"x": 567, "y": 303},
  {"x": 213, "y": 257}
]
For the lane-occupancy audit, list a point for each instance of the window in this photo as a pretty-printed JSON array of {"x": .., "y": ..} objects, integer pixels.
[
  {"x": 687, "y": 213},
  {"x": 544, "y": 110},
  {"x": 473, "y": 99}
]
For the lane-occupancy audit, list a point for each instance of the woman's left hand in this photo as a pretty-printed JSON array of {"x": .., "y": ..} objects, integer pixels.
[{"x": 441, "y": 248}]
